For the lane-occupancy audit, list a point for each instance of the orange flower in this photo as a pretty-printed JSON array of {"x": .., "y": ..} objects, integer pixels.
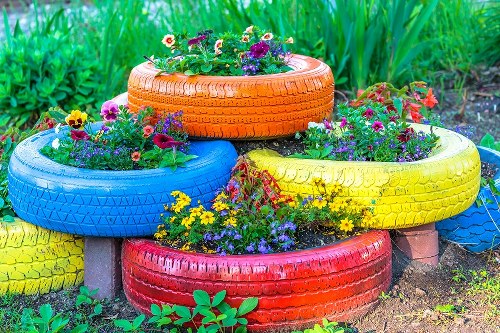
[
  {"x": 147, "y": 131},
  {"x": 136, "y": 156},
  {"x": 415, "y": 112},
  {"x": 168, "y": 40},
  {"x": 430, "y": 100}
]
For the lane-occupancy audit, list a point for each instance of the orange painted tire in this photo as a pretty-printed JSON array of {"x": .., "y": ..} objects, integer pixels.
[
  {"x": 296, "y": 289},
  {"x": 239, "y": 107}
]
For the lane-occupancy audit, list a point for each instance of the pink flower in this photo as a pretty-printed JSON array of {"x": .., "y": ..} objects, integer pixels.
[
  {"x": 147, "y": 131},
  {"x": 164, "y": 141},
  {"x": 136, "y": 156},
  {"x": 377, "y": 126},
  {"x": 327, "y": 124},
  {"x": 79, "y": 135},
  {"x": 109, "y": 111},
  {"x": 368, "y": 114},
  {"x": 343, "y": 122}
]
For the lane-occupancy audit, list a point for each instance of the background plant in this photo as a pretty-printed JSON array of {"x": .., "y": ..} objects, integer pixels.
[{"x": 44, "y": 69}]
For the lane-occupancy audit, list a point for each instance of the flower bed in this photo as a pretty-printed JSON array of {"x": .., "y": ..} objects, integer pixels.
[{"x": 296, "y": 289}]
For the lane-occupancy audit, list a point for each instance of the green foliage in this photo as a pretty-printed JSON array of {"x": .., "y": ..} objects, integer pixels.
[
  {"x": 225, "y": 54},
  {"x": 328, "y": 327},
  {"x": 125, "y": 141},
  {"x": 48, "y": 322},
  {"x": 215, "y": 314},
  {"x": 489, "y": 141},
  {"x": 42, "y": 70}
]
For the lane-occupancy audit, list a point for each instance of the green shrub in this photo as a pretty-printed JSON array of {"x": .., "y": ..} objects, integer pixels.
[{"x": 42, "y": 70}]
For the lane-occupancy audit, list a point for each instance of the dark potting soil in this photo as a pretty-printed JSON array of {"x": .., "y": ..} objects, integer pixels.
[{"x": 488, "y": 170}]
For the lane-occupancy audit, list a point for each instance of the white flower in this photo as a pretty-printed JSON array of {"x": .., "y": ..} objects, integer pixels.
[
  {"x": 289, "y": 40},
  {"x": 57, "y": 129},
  {"x": 56, "y": 143},
  {"x": 267, "y": 36},
  {"x": 249, "y": 30},
  {"x": 316, "y": 125}
]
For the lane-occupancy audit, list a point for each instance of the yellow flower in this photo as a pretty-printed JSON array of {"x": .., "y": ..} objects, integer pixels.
[
  {"x": 207, "y": 217},
  {"x": 346, "y": 225},
  {"x": 221, "y": 196},
  {"x": 176, "y": 193},
  {"x": 172, "y": 219},
  {"x": 220, "y": 206},
  {"x": 367, "y": 216},
  {"x": 318, "y": 181},
  {"x": 336, "y": 188},
  {"x": 168, "y": 40},
  {"x": 333, "y": 207},
  {"x": 76, "y": 119},
  {"x": 231, "y": 221},
  {"x": 292, "y": 204},
  {"x": 289, "y": 40},
  {"x": 185, "y": 247},
  {"x": 197, "y": 211},
  {"x": 234, "y": 212},
  {"x": 187, "y": 221},
  {"x": 267, "y": 36},
  {"x": 320, "y": 204}
]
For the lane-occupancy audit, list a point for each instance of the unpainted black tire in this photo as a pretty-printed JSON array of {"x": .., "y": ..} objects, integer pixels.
[
  {"x": 36, "y": 260},
  {"x": 295, "y": 289}
]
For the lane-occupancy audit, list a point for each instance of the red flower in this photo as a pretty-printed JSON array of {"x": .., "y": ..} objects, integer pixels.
[
  {"x": 368, "y": 114},
  {"x": 406, "y": 135},
  {"x": 79, "y": 135},
  {"x": 430, "y": 100},
  {"x": 164, "y": 141},
  {"x": 196, "y": 40},
  {"x": 259, "y": 50},
  {"x": 415, "y": 112},
  {"x": 136, "y": 156}
]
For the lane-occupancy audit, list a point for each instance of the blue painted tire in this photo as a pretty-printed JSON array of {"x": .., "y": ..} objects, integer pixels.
[
  {"x": 109, "y": 203},
  {"x": 478, "y": 228}
]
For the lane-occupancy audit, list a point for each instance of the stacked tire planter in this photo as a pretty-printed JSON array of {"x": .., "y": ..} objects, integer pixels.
[
  {"x": 296, "y": 289},
  {"x": 478, "y": 228},
  {"x": 36, "y": 260}
]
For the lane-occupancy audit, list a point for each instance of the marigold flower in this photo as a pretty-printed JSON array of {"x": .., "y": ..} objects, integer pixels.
[
  {"x": 245, "y": 38},
  {"x": 430, "y": 100},
  {"x": 147, "y": 131},
  {"x": 249, "y": 30},
  {"x": 207, "y": 218},
  {"x": 289, "y": 40},
  {"x": 136, "y": 156},
  {"x": 346, "y": 225},
  {"x": 168, "y": 40},
  {"x": 79, "y": 135},
  {"x": 76, "y": 119},
  {"x": 267, "y": 36}
]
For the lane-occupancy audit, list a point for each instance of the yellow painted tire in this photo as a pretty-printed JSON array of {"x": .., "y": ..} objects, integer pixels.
[
  {"x": 35, "y": 260},
  {"x": 403, "y": 194}
]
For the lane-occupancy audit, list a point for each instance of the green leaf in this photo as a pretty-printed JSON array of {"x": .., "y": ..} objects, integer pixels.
[
  {"x": 248, "y": 305},
  {"x": 241, "y": 329},
  {"x": 219, "y": 297},
  {"x": 155, "y": 310},
  {"x": 2, "y": 203},
  {"x": 398, "y": 104},
  {"x": 201, "y": 297},
  {"x": 124, "y": 324},
  {"x": 98, "y": 309},
  {"x": 189, "y": 73},
  {"x": 182, "y": 311},
  {"x": 206, "y": 68},
  {"x": 138, "y": 321},
  {"x": 8, "y": 218},
  {"x": 80, "y": 328},
  {"x": 46, "y": 312},
  {"x": 487, "y": 141}
]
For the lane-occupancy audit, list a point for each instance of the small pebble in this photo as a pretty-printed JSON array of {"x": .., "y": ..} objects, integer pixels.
[
  {"x": 459, "y": 321},
  {"x": 420, "y": 292}
]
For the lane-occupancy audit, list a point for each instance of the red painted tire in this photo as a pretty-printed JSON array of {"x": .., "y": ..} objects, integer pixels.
[{"x": 295, "y": 289}]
